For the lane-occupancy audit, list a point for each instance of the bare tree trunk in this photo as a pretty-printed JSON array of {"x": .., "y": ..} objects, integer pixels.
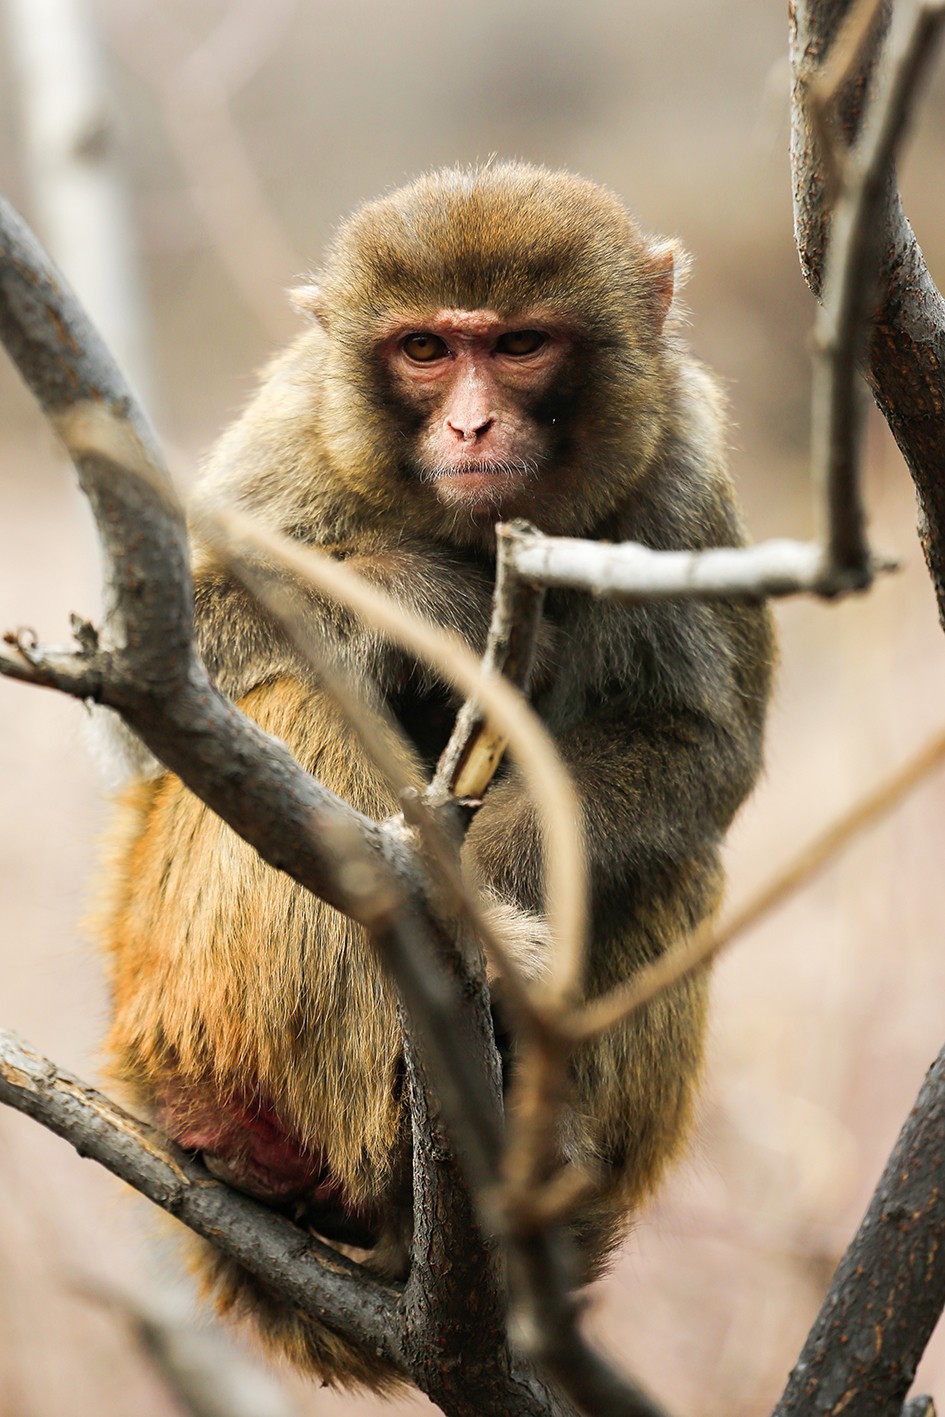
[{"x": 73, "y": 171}]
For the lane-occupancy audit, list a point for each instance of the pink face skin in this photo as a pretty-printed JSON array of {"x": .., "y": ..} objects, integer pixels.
[{"x": 474, "y": 377}]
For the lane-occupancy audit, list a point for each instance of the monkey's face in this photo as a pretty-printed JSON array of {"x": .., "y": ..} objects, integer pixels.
[
  {"x": 494, "y": 347},
  {"x": 478, "y": 391}
]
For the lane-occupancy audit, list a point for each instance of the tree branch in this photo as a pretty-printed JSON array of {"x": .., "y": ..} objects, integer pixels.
[
  {"x": 889, "y": 1289},
  {"x": 471, "y": 756},
  {"x": 851, "y": 282},
  {"x": 311, "y": 1276},
  {"x": 905, "y": 356},
  {"x": 605, "y": 1013},
  {"x": 514, "y": 722},
  {"x": 771, "y": 568}
]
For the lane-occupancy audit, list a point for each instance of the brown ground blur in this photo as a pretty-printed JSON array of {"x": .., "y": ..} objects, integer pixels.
[{"x": 825, "y": 1017}]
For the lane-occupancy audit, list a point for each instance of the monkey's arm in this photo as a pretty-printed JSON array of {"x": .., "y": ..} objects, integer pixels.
[
  {"x": 242, "y": 645},
  {"x": 663, "y": 747},
  {"x": 661, "y": 758}
]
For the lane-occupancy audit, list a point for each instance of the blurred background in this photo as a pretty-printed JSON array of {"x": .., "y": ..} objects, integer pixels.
[{"x": 245, "y": 131}]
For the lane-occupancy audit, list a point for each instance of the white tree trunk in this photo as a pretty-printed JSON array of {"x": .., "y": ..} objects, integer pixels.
[{"x": 69, "y": 152}]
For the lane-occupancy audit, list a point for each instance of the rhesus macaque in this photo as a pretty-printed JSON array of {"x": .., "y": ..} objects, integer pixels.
[{"x": 482, "y": 345}]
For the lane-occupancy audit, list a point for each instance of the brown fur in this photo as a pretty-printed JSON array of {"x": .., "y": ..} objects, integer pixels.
[{"x": 227, "y": 977}]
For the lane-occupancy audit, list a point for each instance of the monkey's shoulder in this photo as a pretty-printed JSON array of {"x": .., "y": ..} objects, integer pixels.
[{"x": 243, "y": 642}]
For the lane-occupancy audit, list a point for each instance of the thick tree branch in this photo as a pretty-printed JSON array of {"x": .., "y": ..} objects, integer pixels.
[
  {"x": 851, "y": 283},
  {"x": 144, "y": 665},
  {"x": 889, "y": 1289},
  {"x": 905, "y": 357}
]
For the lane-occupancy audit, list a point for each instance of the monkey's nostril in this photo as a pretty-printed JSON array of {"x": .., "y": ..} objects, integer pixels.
[{"x": 469, "y": 430}]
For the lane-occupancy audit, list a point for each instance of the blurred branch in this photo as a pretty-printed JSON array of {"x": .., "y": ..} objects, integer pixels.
[
  {"x": 208, "y": 1374},
  {"x": 69, "y": 145},
  {"x": 857, "y": 26},
  {"x": 824, "y": 84},
  {"x": 247, "y": 35},
  {"x": 889, "y": 1289},
  {"x": 194, "y": 87},
  {"x": 549, "y": 783},
  {"x": 604, "y": 1013},
  {"x": 390, "y": 751}
]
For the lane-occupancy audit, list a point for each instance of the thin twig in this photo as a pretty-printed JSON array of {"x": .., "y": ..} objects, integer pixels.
[
  {"x": 846, "y": 52},
  {"x": 822, "y": 85},
  {"x": 637, "y": 572},
  {"x": 605, "y": 1013},
  {"x": 470, "y": 758}
]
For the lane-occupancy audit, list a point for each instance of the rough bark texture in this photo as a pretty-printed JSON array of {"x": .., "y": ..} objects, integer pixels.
[
  {"x": 887, "y": 1294},
  {"x": 315, "y": 1277},
  {"x": 906, "y": 355}
]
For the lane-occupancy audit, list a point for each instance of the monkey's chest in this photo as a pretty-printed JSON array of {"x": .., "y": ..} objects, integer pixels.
[{"x": 427, "y": 718}]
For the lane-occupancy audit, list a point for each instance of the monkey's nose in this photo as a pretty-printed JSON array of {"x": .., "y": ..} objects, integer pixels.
[{"x": 469, "y": 429}]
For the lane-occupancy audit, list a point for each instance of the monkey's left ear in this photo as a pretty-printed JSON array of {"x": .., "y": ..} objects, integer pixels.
[
  {"x": 667, "y": 268},
  {"x": 307, "y": 299}
]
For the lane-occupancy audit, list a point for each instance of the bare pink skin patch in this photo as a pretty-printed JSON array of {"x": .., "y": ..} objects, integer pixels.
[{"x": 244, "y": 1143}]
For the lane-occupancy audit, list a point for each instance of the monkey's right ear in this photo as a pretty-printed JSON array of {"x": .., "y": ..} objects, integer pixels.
[
  {"x": 668, "y": 268},
  {"x": 309, "y": 301}
]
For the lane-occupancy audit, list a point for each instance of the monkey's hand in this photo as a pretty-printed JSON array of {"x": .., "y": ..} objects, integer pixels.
[{"x": 525, "y": 935}]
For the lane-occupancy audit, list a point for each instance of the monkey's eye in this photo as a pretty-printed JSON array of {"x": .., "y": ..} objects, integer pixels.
[
  {"x": 424, "y": 348},
  {"x": 520, "y": 342}
]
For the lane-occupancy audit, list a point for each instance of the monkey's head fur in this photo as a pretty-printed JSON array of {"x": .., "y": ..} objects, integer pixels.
[{"x": 537, "y": 253}]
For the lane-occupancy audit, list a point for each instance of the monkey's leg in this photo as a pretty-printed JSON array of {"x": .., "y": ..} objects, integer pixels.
[{"x": 253, "y": 1021}]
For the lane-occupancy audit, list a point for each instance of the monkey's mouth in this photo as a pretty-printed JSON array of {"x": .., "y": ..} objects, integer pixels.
[{"x": 488, "y": 481}]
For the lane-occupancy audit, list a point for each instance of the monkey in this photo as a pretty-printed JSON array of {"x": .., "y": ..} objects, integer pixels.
[{"x": 480, "y": 345}]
